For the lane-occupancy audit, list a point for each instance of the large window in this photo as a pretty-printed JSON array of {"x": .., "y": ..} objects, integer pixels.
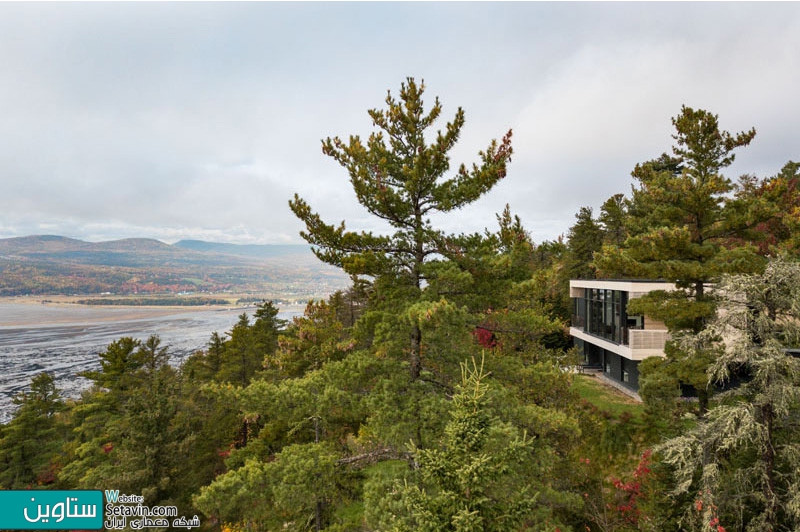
[
  {"x": 579, "y": 312},
  {"x": 603, "y": 312}
]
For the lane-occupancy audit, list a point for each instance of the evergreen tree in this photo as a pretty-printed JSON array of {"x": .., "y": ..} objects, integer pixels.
[
  {"x": 285, "y": 477},
  {"x": 400, "y": 178},
  {"x": 96, "y": 419},
  {"x": 614, "y": 220},
  {"x": 249, "y": 344},
  {"x": 31, "y": 443},
  {"x": 118, "y": 365},
  {"x": 481, "y": 477},
  {"x": 682, "y": 219},
  {"x": 742, "y": 462},
  {"x": 147, "y": 448},
  {"x": 310, "y": 341},
  {"x": 204, "y": 366},
  {"x": 583, "y": 239},
  {"x": 123, "y": 427}
]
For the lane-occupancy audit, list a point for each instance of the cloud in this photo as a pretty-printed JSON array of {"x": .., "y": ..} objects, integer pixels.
[
  {"x": 201, "y": 120},
  {"x": 608, "y": 107}
]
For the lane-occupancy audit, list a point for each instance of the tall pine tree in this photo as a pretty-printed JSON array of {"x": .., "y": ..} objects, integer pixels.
[
  {"x": 400, "y": 177},
  {"x": 684, "y": 223}
]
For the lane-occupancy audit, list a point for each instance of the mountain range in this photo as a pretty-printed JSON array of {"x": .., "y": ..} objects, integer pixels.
[{"x": 50, "y": 264}]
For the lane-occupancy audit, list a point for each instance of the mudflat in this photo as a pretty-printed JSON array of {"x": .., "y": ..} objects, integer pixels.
[{"x": 39, "y": 311}]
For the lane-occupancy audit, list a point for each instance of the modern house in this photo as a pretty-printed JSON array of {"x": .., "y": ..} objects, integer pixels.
[{"x": 606, "y": 335}]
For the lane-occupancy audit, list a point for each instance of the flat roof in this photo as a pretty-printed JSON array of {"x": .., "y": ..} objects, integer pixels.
[
  {"x": 626, "y": 285},
  {"x": 625, "y": 280}
]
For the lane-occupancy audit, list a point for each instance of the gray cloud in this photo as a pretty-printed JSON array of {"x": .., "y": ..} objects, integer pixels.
[{"x": 186, "y": 120}]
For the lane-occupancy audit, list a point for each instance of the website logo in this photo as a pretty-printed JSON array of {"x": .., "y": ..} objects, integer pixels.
[{"x": 51, "y": 510}]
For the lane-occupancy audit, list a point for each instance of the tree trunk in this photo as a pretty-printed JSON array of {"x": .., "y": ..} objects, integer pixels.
[
  {"x": 699, "y": 297},
  {"x": 699, "y": 325},
  {"x": 415, "y": 360},
  {"x": 768, "y": 458},
  {"x": 702, "y": 402}
]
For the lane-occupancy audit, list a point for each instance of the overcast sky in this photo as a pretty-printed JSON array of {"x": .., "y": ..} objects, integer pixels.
[{"x": 200, "y": 120}]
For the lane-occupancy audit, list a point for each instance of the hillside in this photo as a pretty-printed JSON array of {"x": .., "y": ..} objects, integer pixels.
[
  {"x": 50, "y": 265},
  {"x": 245, "y": 250}
]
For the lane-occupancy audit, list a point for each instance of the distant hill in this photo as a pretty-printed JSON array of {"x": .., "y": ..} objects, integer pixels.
[
  {"x": 128, "y": 245},
  {"x": 52, "y": 264},
  {"x": 50, "y": 244},
  {"x": 41, "y": 244},
  {"x": 246, "y": 250},
  {"x": 131, "y": 252}
]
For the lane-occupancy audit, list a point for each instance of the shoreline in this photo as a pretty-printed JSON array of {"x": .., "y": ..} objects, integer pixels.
[{"x": 44, "y": 311}]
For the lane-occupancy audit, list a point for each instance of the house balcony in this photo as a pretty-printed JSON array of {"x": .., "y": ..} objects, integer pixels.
[
  {"x": 643, "y": 339},
  {"x": 638, "y": 345}
]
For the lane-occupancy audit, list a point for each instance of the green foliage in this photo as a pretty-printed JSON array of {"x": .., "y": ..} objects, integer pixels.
[
  {"x": 126, "y": 424},
  {"x": 401, "y": 183},
  {"x": 683, "y": 217},
  {"x": 302, "y": 419},
  {"x": 585, "y": 237},
  {"x": 741, "y": 461},
  {"x": 477, "y": 478},
  {"x": 30, "y": 444},
  {"x": 118, "y": 364},
  {"x": 319, "y": 424},
  {"x": 400, "y": 178},
  {"x": 291, "y": 492},
  {"x": 613, "y": 220},
  {"x": 310, "y": 341},
  {"x": 659, "y": 388},
  {"x": 147, "y": 451},
  {"x": 242, "y": 357}
]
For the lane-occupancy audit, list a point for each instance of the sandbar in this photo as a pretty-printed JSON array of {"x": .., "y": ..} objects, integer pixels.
[{"x": 35, "y": 311}]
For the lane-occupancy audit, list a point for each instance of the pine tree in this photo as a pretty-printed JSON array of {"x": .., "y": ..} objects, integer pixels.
[
  {"x": 400, "y": 178},
  {"x": 479, "y": 478},
  {"x": 682, "y": 220},
  {"x": 31, "y": 442},
  {"x": 614, "y": 219},
  {"x": 585, "y": 237}
]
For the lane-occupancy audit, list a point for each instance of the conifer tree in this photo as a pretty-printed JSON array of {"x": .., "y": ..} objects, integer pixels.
[
  {"x": 682, "y": 222},
  {"x": 400, "y": 176},
  {"x": 742, "y": 462},
  {"x": 584, "y": 239},
  {"x": 613, "y": 220},
  {"x": 481, "y": 477},
  {"x": 31, "y": 441}
]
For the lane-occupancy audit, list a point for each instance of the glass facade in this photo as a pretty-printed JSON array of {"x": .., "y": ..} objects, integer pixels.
[{"x": 602, "y": 313}]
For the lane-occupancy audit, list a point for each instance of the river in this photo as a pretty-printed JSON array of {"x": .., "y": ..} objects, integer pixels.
[{"x": 66, "y": 339}]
